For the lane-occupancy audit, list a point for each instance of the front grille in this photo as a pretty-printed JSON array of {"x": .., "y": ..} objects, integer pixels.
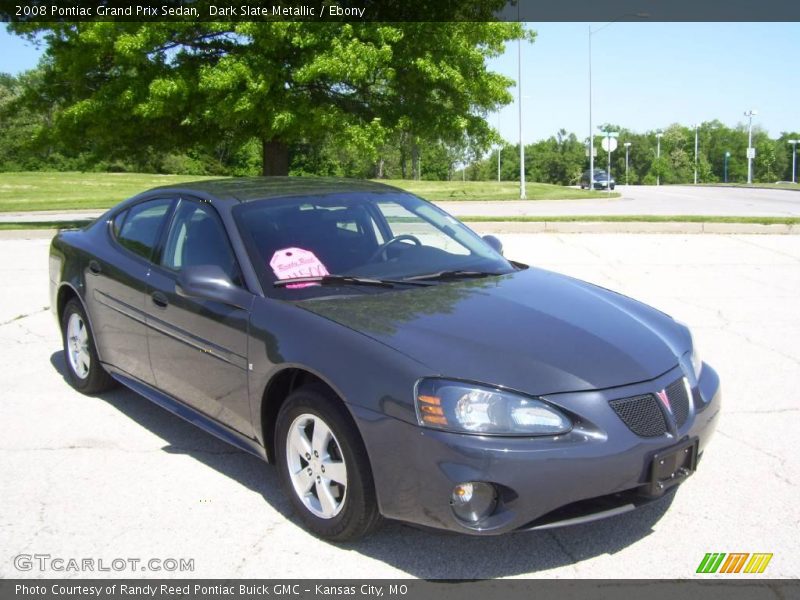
[
  {"x": 679, "y": 400},
  {"x": 644, "y": 414},
  {"x": 641, "y": 414}
]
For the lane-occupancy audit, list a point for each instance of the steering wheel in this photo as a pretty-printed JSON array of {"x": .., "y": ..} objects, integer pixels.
[{"x": 398, "y": 238}]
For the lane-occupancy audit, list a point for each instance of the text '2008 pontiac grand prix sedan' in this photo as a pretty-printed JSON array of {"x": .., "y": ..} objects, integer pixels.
[{"x": 388, "y": 360}]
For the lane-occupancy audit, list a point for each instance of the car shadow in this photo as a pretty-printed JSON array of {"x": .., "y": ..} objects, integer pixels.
[{"x": 420, "y": 553}]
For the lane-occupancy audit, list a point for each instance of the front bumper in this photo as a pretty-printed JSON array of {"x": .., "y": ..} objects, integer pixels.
[{"x": 599, "y": 469}]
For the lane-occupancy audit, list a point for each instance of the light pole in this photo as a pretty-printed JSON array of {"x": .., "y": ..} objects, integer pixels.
[
  {"x": 639, "y": 15},
  {"x": 499, "y": 147},
  {"x": 794, "y": 158},
  {"x": 750, "y": 151},
  {"x": 611, "y": 144},
  {"x": 522, "y": 194},
  {"x": 696, "y": 131},
  {"x": 727, "y": 156},
  {"x": 658, "y": 156},
  {"x": 627, "y": 149}
]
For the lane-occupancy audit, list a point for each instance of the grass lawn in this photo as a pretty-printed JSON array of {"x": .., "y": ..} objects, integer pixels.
[
  {"x": 67, "y": 191},
  {"x": 32, "y": 191},
  {"x": 440, "y": 191}
]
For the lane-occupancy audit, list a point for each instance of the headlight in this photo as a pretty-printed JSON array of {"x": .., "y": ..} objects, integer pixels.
[{"x": 471, "y": 408}]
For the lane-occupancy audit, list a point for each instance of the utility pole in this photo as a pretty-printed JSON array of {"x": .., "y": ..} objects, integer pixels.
[
  {"x": 522, "y": 194},
  {"x": 658, "y": 156},
  {"x": 627, "y": 149},
  {"x": 750, "y": 150},
  {"x": 696, "y": 131}
]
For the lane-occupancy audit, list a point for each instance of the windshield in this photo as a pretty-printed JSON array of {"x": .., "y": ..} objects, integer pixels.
[{"x": 386, "y": 236}]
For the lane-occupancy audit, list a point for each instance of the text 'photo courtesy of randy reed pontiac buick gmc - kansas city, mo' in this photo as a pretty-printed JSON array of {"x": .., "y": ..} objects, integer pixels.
[{"x": 386, "y": 359}]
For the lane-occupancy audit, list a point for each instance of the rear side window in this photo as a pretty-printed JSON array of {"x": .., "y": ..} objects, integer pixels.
[{"x": 138, "y": 231}]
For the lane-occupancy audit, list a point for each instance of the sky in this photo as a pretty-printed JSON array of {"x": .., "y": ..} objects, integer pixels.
[{"x": 644, "y": 76}]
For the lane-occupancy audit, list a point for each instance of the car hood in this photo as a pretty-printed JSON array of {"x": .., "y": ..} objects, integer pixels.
[{"x": 531, "y": 330}]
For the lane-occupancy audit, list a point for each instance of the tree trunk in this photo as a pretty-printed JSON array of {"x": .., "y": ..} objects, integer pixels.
[
  {"x": 380, "y": 169},
  {"x": 415, "y": 161},
  {"x": 275, "y": 158}
]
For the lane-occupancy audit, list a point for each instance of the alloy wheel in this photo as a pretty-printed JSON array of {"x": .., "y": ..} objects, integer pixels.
[
  {"x": 316, "y": 466},
  {"x": 80, "y": 359}
]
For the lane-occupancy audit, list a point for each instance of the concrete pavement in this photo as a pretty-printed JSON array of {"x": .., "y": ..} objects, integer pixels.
[{"x": 116, "y": 476}]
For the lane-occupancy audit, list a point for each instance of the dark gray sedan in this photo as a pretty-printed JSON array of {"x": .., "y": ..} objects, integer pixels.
[
  {"x": 600, "y": 181},
  {"x": 389, "y": 361}
]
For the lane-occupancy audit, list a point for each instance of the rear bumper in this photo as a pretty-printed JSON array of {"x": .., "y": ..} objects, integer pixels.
[{"x": 599, "y": 469}]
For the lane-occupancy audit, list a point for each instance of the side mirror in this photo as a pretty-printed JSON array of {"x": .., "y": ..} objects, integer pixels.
[
  {"x": 495, "y": 243},
  {"x": 210, "y": 282}
]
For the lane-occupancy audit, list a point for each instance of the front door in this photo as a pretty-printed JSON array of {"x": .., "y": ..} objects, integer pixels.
[{"x": 198, "y": 348}]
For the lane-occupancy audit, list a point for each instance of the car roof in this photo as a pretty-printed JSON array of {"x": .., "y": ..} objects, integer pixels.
[{"x": 247, "y": 189}]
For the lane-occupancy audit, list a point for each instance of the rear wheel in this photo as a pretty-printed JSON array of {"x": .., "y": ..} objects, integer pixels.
[
  {"x": 84, "y": 370},
  {"x": 324, "y": 467}
]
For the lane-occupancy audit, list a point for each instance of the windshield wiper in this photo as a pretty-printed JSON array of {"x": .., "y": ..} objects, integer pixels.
[
  {"x": 335, "y": 280},
  {"x": 443, "y": 275}
]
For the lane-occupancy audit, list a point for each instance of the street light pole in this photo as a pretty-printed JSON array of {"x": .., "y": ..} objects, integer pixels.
[
  {"x": 750, "y": 114},
  {"x": 727, "y": 156},
  {"x": 658, "y": 156},
  {"x": 696, "y": 130},
  {"x": 519, "y": 102},
  {"x": 627, "y": 149},
  {"x": 591, "y": 129},
  {"x": 499, "y": 147},
  {"x": 609, "y": 137},
  {"x": 794, "y": 158}
]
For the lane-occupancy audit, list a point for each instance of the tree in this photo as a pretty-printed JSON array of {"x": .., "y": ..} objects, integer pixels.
[{"x": 165, "y": 86}]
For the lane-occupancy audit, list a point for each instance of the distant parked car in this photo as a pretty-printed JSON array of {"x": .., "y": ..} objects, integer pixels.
[{"x": 601, "y": 181}]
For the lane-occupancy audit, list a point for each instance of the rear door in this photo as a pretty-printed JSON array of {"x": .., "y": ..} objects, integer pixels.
[
  {"x": 198, "y": 348},
  {"x": 116, "y": 283}
]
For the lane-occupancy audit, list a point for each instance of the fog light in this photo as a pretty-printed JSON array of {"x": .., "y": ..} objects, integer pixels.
[{"x": 473, "y": 501}]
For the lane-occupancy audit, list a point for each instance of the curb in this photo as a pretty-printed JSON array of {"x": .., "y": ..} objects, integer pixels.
[
  {"x": 27, "y": 234},
  {"x": 674, "y": 227}
]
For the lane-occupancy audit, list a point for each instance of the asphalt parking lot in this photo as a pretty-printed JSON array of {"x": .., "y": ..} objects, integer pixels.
[
  {"x": 117, "y": 477},
  {"x": 649, "y": 200}
]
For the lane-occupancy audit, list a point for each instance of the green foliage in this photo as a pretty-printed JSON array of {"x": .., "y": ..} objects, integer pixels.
[{"x": 131, "y": 91}]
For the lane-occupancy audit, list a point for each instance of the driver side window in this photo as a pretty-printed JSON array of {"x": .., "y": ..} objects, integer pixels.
[{"x": 197, "y": 237}]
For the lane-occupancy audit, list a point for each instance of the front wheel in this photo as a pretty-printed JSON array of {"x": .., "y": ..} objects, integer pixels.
[
  {"x": 84, "y": 370},
  {"x": 324, "y": 467}
]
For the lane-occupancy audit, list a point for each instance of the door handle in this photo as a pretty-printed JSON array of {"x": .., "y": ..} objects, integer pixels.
[
  {"x": 159, "y": 299},
  {"x": 94, "y": 267}
]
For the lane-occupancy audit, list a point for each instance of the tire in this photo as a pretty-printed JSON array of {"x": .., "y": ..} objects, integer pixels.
[
  {"x": 84, "y": 371},
  {"x": 331, "y": 509}
]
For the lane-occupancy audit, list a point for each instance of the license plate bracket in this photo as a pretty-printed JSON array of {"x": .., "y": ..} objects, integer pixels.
[{"x": 672, "y": 466}]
